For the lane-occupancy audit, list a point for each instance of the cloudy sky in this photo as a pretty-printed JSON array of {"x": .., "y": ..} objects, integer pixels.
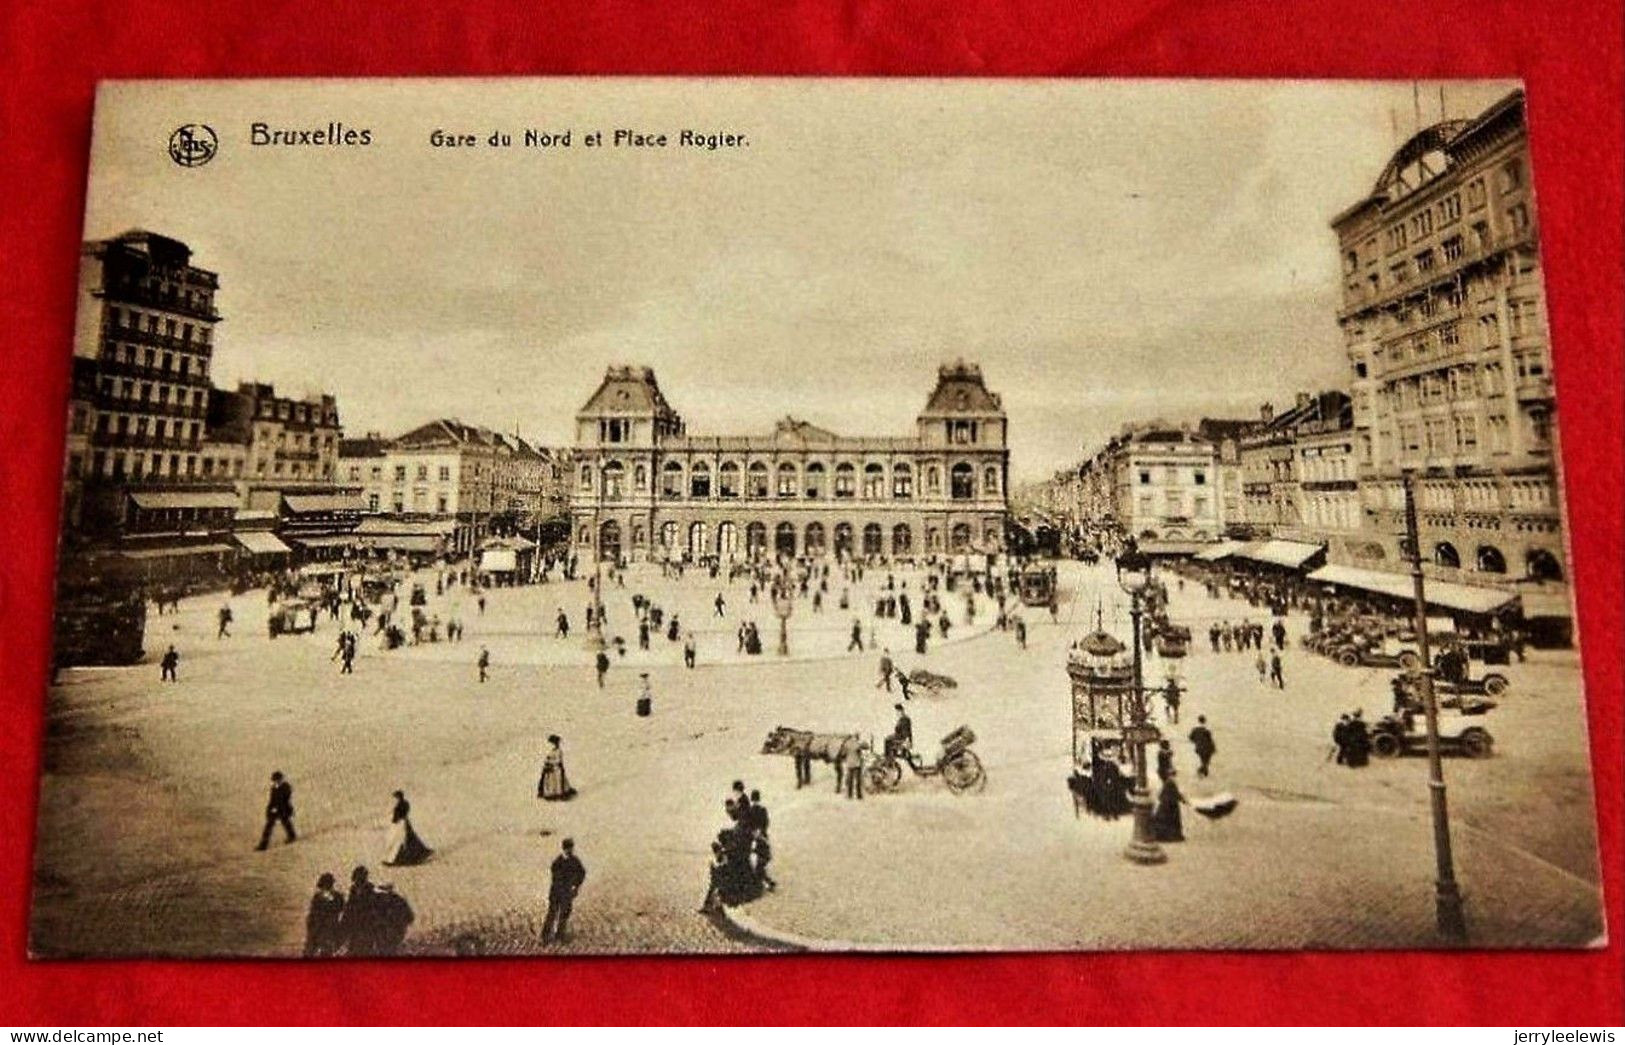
[{"x": 1108, "y": 251}]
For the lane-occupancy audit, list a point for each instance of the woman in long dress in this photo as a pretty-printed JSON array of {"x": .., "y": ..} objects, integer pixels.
[
  {"x": 1167, "y": 822},
  {"x": 405, "y": 847},
  {"x": 554, "y": 785}
]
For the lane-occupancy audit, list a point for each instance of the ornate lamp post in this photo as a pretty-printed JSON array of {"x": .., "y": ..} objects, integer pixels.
[
  {"x": 1448, "y": 912},
  {"x": 595, "y": 627},
  {"x": 783, "y": 606},
  {"x": 1134, "y": 576}
]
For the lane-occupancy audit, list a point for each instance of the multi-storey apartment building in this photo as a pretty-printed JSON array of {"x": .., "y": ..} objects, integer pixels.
[
  {"x": 1154, "y": 482},
  {"x": 1226, "y": 434},
  {"x": 1444, "y": 320},
  {"x": 266, "y": 444},
  {"x": 1272, "y": 465},
  {"x": 447, "y": 469},
  {"x": 145, "y": 325},
  {"x": 647, "y": 488}
]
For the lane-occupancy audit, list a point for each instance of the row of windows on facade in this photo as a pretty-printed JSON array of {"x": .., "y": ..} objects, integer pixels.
[
  {"x": 1450, "y": 301},
  {"x": 789, "y": 482},
  {"x": 1445, "y": 212},
  {"x": 153, "y": 359},
  {"x": 1424, "y": 262},
  {"x": 961, "y": 432},
  {"x": 501, "y": 476},
  {"x": 699, "y": 541},
  {"x": 1486, "y": 495},
  {"x": 1171, "y": 475},
  {"x": 177, "y": 291},
  {"x": 1454, "y": 384},
  {"x": 1317, "y": 468},
  {"x": 1173, "y": 506},
  {"x": 1523, "y": 320},
  {"x": 1459, "y": 434},
  {"x": 125, "y": 318}
]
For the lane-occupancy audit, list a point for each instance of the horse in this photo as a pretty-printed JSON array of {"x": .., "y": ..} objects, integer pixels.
[{"x": 805, "y": 746}]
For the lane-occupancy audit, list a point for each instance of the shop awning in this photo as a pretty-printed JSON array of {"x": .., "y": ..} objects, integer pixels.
[
  {"x": 303, "y": 503},
  {"x": 498, "y": 560},
  {"x": 168, "y": 552},
  {"x": 1290, "y": 554},
  {"x": 1215, "y": 552},
  {"x": 158, "y": 499},
  {"x": 260, "y": 542},
  {"x": 326, "y": 541},
  {"x": 1171, "y": 547},
  {"x": 1463, "y": 598}
]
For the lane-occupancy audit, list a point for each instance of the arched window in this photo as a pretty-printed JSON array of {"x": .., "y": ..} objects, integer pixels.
[
  {"x": 727, "y": 536},
  {"x": 756, "y": 480},
  {"x": 814, "y": 543},
  {"x": 784, "y": 539},
  {"x": 874, "y": 482},
  {"x": 728, "y": 480},
  {"x": 961, "y": 482},
  {"x": 613, "y": 478},
  {"x": 959, "y": 536},
  {"x": 1542, "y": 565},
  {"x": 872, "y": 540},
  {"x": 845, "y": 482},
  {"x": 787, "y": 481},
  {"x": 671, "y": 481},
  {"x": 609, "y": 539},
  {"x": 815, "y": 481},
  {"x": 1445, "y": 554},
  {"x": 843, "y": 538},
  {"x": 990, "y": 481},
  {"x": 902, "y": 540},
  {"x": 902, "y": 481},
  {"x": 668, "y": 536},
  {"x": 1490, "y": 559},
  {"x": 755, "y": 539},
  {"x": 699, "y": 481},
  {"x": 697, "y": 541}
]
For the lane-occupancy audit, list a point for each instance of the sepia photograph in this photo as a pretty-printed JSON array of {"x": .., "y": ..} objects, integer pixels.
[{"x": 584, "y": 516}]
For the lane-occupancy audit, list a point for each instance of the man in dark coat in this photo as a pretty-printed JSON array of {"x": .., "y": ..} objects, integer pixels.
[
  {"x": 1340, "y": 738},
  {"x": 567, "y": 875},
  {"x": 167, "y": 666},
  {"x": 358, "y": 925},
  {"x": 1202, "y": 741},
  {"x": 1359, "y": 741},
  {"x": 278, "y": 810},
  {"x": 323, "y": 937}
]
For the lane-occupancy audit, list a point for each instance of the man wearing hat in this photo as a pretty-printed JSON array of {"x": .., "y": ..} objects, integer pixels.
[
  {"x": 567, "y": 875},
  {"x": 278, "y": 810},
  {"x": 646, "y": 698},
  {"x": 901, "y": 740}
]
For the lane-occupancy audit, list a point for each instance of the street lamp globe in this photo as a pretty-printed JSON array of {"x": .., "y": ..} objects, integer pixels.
[{"x": 1133, "y": 571}]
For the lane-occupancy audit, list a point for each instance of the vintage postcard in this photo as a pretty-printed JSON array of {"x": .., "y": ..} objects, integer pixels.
[{"x": 577, "y": 516}]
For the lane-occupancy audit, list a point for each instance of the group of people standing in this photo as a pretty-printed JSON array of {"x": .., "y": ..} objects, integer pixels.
[
  {"x": 740, "y": 855},
  {"x": 1351, "y": 740}
]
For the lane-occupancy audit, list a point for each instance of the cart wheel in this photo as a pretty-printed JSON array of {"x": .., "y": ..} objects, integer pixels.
[
  {"x": 1476, "y": 743},
  {"x": 1495, "y": 684},
  {"x": 1386, "y": 745},
  {"x": 1409, "y": 660},
  {"x": 964, "y": 773},
  {"x": 885, "y": 775},
  {"x": 1348, "y": 658}
]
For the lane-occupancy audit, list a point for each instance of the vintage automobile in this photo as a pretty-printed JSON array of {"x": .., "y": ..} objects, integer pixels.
[
  {"x": 1461, "y": 730},
  {"x": 291, "y": 617}
]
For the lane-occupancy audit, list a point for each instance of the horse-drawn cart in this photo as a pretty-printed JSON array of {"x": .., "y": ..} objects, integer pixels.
[{"x": 958, "y": 765}]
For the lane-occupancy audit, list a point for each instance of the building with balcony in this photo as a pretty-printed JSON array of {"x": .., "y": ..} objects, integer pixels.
[
  {"x": 1443, "y": 317},
  {"x": 145, "y": 334},
  {"x": 645, "y": 488}
]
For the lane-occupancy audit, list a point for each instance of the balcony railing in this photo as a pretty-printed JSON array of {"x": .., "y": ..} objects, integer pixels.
[
  {"x": 119, "y": 368},
  {"x": 1443, "y": 271}
]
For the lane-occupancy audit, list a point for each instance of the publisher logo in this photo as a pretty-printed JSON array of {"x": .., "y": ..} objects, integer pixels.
[{"x": 193, "y": 144}]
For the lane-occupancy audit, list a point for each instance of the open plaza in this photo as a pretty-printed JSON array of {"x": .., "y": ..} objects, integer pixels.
[{"x": 153, "y": 796}]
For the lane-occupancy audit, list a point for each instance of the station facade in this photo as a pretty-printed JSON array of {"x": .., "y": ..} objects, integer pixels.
[{"x": 644, "y": 488}]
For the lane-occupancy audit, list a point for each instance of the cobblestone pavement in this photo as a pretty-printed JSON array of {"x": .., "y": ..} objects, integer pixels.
[{"x": 152, "y": 798}]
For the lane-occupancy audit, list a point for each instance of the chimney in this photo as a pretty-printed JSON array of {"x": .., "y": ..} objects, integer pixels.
[{"x": 1266, "y": 412}]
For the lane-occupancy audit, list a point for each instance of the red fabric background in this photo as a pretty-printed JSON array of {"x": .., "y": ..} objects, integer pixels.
[{"x": 1569, "y": 54}]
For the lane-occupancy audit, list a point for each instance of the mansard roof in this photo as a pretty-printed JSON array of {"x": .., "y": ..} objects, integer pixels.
[
  {"x": 628, "y": 390},
  {"x": 961, "y": 390}
]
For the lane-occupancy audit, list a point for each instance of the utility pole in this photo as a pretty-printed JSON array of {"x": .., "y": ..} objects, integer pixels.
[{"x": 1452, "y": 920}]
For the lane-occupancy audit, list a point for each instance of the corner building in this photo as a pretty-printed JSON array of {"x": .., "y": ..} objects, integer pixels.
[
  {"x": 644, "y": 488},
  {"x": 1444, "y": 320}
]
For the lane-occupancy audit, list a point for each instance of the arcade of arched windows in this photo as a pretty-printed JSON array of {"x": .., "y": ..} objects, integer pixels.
[{"x": 709, "y": 479}]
